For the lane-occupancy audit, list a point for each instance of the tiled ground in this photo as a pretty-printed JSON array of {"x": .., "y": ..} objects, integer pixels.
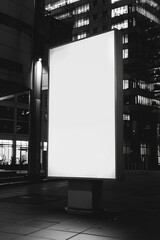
[{"x": 37, "y": 212}]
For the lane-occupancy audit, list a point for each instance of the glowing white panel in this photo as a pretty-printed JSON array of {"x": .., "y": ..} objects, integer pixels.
[{"x": 82, "y": 119}]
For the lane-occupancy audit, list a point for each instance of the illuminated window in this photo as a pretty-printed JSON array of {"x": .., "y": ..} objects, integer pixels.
[
  {"x": 151, "y": 3},
  {"x": 146, "y": 86},
  {"x": 82, "y": 35},
  {"x": 113, "y": 1},
  {"x": 81, "y": 9},
  {"x": 134, "y": 84},
  {"x": 6, "y": 152},
  {"x": 125, "y": 38},
  {"x": 144, "y": 101},
  {"x": 79, "y": 36},
  {"x": 147, "y": 14},
  {"x": 21, "y": 152},
  {"x": 63, "y": 16},
  {"x": 148, "y": 101},
  {"x": 126, "y": 148},
  {"x": 144, "y": 151},
  {"x": 45, "y": 146},
  {"x": 132, "y": 8},
  {"x": 126, "y": 117},
  {"x": 125, "y": 53},
  {"x": 119, "y": 11},
  {"x": 125, "y": 84},
  {"x": 134, "y": 22},
  {"x": 81, "y": 22},
  {"x": 121, "y": 25},
  {"x": 58, "y": 4},
  {"x": 142, "y": 84}
]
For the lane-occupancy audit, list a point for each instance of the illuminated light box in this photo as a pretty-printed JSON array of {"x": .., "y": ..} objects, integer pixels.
[{"x": 85, "y": 108}]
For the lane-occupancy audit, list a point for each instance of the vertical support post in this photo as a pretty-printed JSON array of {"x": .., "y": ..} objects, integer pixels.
[
  {"x": 14, "y": 152},
  {"x": 35, "y": 122}
]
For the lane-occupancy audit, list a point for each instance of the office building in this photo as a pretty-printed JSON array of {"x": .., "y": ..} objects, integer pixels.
[
  {"x": 23, "y": 31},
  {"x": 139, "y": 22},
  {"x": 16, "y": 24}
]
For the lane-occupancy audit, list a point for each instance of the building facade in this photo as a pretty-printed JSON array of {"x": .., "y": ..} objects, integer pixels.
[
  {"x": 139, "y": 22},
  {"x": 25, "y": 36},
  {"x": 16, "y": 30},
  {"x": 140, "y": 25}
]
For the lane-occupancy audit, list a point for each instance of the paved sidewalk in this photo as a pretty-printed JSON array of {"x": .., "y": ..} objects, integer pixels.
[{"x": 36, "y": 211}]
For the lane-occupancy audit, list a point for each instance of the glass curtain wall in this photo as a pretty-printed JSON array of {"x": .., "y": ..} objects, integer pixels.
[
  {"x": 22, "y": 152},
  {"x": 6, "y": 152}
]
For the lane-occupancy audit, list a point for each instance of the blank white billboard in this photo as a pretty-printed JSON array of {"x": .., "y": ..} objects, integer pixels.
[{"x": 82, "y": 135}]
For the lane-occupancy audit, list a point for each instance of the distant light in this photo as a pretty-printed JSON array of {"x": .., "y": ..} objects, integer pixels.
[{"x": 38, "y": 72}]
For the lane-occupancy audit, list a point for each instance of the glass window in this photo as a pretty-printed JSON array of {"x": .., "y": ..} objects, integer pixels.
[
  {"x": 6, "y": 126},
  {"x": 125, "y": 38},
  {"x": 134, "y": 22},
  {"x": 59, "y": 4},
  {"x": 125, "y": 84},
  {"x": 22, "y": 121},
  {"x": 82, "y": 35},
  {"x": 6, "y": 112},
  {"x": 21, "y": 152},
  {"x": 81, "y": 22},
  {"x": 63, "y": 16},
  {"x": 79, "y": 36},
  {"x": 144, "y": 150},
  {"x": 148, "y": 101},
  {"x": 126, "y": 148},
  {"x": 126, "y": 117},
  {"x": 121, "y": 25},
  {"x": 113, "y": 1},
  {"x": 147, "y": 14},
  {"x": 119, "y": 11},
  {"x": 151, "y": 3},
  {"x": 134, "y": 84},
  {"x": 125, "y": 53},
  {"x": 44, "y": 146},
  {"x": 81, "y": 9},
  {"x": 6, "y": 152}
]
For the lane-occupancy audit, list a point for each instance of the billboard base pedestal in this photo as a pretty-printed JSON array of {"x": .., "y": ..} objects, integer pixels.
[
  {"x": 83, "y": 211},
  {"x": 85, "y": 196}
]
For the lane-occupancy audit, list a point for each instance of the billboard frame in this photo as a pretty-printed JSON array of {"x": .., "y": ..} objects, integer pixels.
[{"x": 118, "y": 71}]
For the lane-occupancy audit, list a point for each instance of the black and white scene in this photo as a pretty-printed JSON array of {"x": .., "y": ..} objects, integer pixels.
[{"x": 80, "y": 119}]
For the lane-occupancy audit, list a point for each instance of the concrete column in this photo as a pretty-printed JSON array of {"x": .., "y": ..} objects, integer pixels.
[{"x": 35, "y": 122}]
